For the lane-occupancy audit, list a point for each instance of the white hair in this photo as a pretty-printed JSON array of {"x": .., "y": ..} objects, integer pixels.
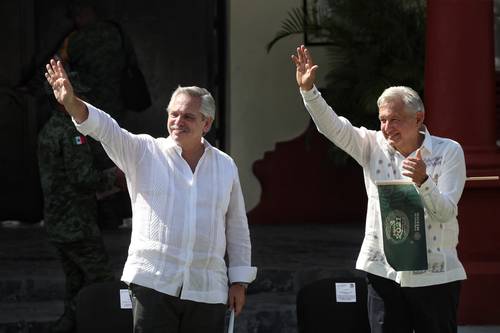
[
  {"x": 410, "y": 98},
  {"x": 207, "y": 101}
]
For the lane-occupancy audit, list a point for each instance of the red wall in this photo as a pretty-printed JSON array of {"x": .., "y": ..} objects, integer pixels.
[
  {"x": 460, "y": 104},
  {"x": 301, "y": 184}
]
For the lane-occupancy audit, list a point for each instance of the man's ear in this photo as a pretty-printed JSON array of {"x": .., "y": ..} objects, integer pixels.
[
  {"x": 208, "y": 124},
  {"x": 420, "y": 118}
]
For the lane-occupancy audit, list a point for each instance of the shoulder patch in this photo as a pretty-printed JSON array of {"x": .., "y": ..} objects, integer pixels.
[{"x": 80, "y": 140}]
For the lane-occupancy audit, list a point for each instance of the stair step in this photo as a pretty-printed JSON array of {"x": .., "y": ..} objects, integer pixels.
[
  {"x": 32, "y": 288},
  {"x": 268, "y": 313},
  {"x": 26, "y": 312}
]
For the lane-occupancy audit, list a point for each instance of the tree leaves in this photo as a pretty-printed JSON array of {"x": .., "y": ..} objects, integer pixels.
[{"x": 373, "y": 45}]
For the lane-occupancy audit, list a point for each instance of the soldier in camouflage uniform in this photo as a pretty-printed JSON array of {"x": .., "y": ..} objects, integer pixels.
[
  {"x": 95, "y": 50},
  {"x": 70, "y": 181}
]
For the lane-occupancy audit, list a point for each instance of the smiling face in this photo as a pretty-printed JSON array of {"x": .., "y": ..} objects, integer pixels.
[
  {"x": 400, "y": 127},
  {"x": 186, "y": 124}
]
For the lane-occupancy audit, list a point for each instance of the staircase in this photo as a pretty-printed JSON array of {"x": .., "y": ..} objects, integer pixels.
[{"x": 287, "y": 256}]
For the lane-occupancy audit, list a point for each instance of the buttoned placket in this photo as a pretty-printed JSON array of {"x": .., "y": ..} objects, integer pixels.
[
  {"x": 164, "y": 237},
  {"x": 395, "y": 171},
  {"x": 189, "y": 236}
]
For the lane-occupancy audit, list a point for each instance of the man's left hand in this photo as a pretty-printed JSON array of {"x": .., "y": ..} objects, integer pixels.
[
  {"x": 415, "y": 168},
  {"x": 237, "y": 297}
]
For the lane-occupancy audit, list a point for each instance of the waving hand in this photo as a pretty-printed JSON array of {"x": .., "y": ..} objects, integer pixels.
[
  {"x": 58, "y": 80},
  {"x": 63, "y": 91},
  {"x": 305, "y": 68}
]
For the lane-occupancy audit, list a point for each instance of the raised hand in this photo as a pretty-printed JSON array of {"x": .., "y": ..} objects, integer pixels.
[
  {"x": 415, "y": 168},
  {"x": 63, "y": 91},
  {"x": 305, "y": 68},
  {"x": 58, "y": 80}
]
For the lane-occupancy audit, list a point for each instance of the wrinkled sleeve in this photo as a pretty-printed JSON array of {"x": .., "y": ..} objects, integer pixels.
[
  {"x": 353, "y": 140},
  {"x": 441, "y": 200},
  {"x": 124, "y": 148},
  {"x": 238, "y": 236}
]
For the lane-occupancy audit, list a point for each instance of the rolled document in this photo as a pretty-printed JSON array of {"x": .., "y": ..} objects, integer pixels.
[{"x": 230, "y": 327}]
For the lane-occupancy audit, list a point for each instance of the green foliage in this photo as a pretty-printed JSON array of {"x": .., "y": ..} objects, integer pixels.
[
  {"x": 372, "y": 45},
  {"x": 295, "y": 23},
  {"x": 377, "y": 44}
]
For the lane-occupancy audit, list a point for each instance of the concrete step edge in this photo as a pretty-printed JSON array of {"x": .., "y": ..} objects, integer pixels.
[{"x": 41, "y": 311}]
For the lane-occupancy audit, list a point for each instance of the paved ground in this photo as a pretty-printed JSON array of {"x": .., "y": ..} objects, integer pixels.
[{"x": 288, "y": 257}]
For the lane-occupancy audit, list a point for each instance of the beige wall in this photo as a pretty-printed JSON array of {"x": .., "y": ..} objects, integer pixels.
[{"x": 264, "y": 103}]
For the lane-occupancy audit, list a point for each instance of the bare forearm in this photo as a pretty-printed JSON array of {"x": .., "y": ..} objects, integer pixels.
[{"x": 77, "y": 109}]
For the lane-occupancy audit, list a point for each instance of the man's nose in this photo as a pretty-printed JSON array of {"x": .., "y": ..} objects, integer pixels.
[{"x": 178, "y": 120}]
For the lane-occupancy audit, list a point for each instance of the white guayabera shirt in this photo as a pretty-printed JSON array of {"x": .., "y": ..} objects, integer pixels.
[
  {"x": 182, "y": 222},
  {"x": 440, "y": 194}
]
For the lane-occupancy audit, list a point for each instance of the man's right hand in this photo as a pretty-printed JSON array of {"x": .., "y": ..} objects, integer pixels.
[
  {"x": 63, "y": 91},
  {"x": 58, "y": 80},
  {"x": 305, "y": 68}
]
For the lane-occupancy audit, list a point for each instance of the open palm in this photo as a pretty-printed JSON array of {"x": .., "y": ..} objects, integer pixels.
[
  {"x": 305, "y": 68},
  {"x": 58, "y": 80}
]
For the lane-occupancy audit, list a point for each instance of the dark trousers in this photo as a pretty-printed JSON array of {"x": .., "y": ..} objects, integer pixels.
[
  {"x": 396, "y": 309},
  {"x": 154, "y": 311}
]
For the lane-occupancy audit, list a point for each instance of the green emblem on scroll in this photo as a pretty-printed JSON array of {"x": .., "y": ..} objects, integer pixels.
[
  {"x": 403, "y": 225},
  {"x": 397, "y": 226}
]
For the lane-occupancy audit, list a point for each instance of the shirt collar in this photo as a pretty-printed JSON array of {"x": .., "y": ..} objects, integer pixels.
[
  {"x": 426, "y": 144},
  {"x": 171, "y": 144}
]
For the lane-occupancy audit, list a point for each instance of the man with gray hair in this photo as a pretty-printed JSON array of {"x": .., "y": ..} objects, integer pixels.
[
  {"x": 187, "y": 212},
  {"x": 404, "y": 301}
]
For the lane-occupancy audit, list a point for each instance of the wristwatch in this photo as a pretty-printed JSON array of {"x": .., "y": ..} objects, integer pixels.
[{"x": 243, "y": 284}]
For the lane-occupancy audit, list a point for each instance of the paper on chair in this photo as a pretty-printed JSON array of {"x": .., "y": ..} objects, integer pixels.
[
  {"x": 345, "y": 292},
  {"x": 125, "y": 301}
]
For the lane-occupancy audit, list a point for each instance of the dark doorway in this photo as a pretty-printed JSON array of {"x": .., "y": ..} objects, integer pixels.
[{"x": 180, "y": 42}]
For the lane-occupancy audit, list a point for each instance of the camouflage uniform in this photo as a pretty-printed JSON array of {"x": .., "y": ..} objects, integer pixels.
[
  {"x": 69, "y": 182},
  {"x": 97, "y": 54}
]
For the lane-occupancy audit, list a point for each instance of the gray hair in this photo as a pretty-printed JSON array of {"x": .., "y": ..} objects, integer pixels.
[
  {"x": 207, "y": 101},
  {"x": 410, "y": 98}
]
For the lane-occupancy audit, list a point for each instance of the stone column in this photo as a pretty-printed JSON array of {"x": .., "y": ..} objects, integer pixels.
[{"x": 460, "y": 104}]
